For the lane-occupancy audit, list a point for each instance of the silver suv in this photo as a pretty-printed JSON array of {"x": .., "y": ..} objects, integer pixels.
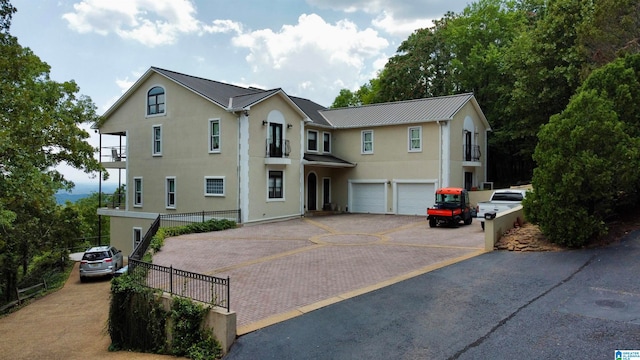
[{"x": 100, "y": 261}]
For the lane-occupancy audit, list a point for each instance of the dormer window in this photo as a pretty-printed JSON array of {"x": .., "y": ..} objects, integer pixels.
[{"x": 155, "y": 101}]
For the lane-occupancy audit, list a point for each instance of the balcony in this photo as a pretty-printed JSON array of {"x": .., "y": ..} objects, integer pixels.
[
  {"x": 113, "y": 157},
  {"x": 471, "y": 155},
  {"x": 276, "y": 153}
]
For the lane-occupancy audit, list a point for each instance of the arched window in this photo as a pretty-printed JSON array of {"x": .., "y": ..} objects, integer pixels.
[{"x": 155, "y": 101}]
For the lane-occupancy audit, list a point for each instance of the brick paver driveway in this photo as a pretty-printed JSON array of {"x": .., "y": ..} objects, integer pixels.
[{"x": 283, "y": 269}]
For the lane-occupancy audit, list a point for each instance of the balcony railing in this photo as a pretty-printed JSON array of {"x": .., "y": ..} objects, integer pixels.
[
  {"x": 275, "y": 151},
  {"x": 471, "y": 153},
  {"x": 113, "y": 154}
]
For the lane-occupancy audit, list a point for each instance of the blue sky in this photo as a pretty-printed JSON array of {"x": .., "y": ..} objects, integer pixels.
[{"x": 309, "y": 48}]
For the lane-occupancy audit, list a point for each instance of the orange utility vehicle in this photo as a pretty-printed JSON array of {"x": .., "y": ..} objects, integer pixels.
[{"x": 451, "y": 207}]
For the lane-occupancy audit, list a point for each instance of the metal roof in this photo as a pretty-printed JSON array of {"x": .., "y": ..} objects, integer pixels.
[
  {"x": 326, "y": 160},
  {"x": 395, "y": 113}
]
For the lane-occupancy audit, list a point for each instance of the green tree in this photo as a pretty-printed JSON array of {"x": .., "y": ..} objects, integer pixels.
[
  {"x": 39, "y": 129},
  {"x": 613, "y": 30},
  {"x": 588, "y": 157}
]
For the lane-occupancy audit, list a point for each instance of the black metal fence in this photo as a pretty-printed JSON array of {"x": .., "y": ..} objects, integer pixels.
[
  {"x": 168, "y": 220},
  {"x": 143, "y": 245},
  {"x": 205, "y": 288}
]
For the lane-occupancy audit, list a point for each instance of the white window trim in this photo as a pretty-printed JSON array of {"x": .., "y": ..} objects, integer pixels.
[
  {"x": 166, "y": 192},
  {"x": 135, "y": 204},
  {"x": 153, "y": 140},
  {"x": 362, "y": 134},
  {"x": 282, "y": 199},
  {"x": 133, "y": 240},
  {"x": 323, "y": 149},
  {"x": 419, "y": 148},
  {"x": 146, "y": 104},
  {"x": 224, "y": 185},
  {"x": 211, "y": 121},
  {"x": 317, "y": 141}
]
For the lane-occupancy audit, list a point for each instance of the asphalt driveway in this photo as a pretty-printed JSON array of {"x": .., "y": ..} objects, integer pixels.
[{"x": 284, "y": 269}]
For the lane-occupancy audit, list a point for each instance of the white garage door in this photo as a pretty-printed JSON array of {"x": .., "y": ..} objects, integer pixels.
[
  {"x": 368, "y": 198},
  {"x": 414, "y": 198}
]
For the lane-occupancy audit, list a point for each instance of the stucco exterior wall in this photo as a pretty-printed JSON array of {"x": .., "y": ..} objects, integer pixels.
[
  {"x": 184, "y": 156},
  {"x": 121, "y": 229},
  {"x": 263, "y": 208}
]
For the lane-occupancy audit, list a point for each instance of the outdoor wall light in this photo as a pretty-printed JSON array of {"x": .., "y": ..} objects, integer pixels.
[
  {"x": 490, "y": 215},
  {"x": 289, "y": 126},
  {"x": 264, "y": 122}
]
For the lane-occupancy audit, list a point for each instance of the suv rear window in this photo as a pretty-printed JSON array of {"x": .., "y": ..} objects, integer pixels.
[{"x": 95, "y": 256}]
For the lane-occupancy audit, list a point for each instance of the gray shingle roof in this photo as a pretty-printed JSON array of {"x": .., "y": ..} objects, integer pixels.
[
  {"x": 215, "y": 91},
  {"x": 401, "y": 112},
  {"x": 312, "y": 110}
]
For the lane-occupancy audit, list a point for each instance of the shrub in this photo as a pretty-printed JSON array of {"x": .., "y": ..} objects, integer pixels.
[
  {"x": 210, "y": 225},
  {"x": 136, "y": 317},
  {"x": 188, "y": 336},
  {"x": 586, "y": 162}
]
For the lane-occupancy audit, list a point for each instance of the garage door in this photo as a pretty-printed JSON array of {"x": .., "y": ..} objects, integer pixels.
[
  {"x": 414, "y": 198},
  {"x": 368, "y": 198}
]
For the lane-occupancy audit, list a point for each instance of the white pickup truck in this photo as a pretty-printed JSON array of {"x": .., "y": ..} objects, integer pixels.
[{"x": 500, "y": 200}]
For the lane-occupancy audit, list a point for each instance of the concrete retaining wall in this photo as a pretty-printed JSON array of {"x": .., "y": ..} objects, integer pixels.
[
  {"x": 221, "y": 322},
  {"x": 504, "y": 220}
]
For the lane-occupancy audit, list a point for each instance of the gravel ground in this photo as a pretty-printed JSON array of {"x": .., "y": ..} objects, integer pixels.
[{"x": 68, "y": 324}]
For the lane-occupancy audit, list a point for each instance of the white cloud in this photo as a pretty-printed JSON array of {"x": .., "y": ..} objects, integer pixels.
[
  {"x": 398, "y": 18},
  {"x": 399, "y": 27},
  {"x": 312, "y": 55},
  {"x": 150, "y": 22}
]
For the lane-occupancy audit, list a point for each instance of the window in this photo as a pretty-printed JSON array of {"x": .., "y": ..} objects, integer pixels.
[
  {"x": 137, "y": 236},
  {"x": 214, "y": 135},
  {"x": 415, "y": 139},
  {"x": 276, "y": 185},
  {"x": 275, "y": 140},
  {"x": 155, "y": 101},
  {"x": 367, "y": 142},
  {"x": 312, "y": 140},
  {"x": 137, "y": 191},
  {"x": 214, "y": 186},
  {"x": 171, "y": 193},
  {"x": 326, "y": 140},
  {"x": 157, "y": 140}
]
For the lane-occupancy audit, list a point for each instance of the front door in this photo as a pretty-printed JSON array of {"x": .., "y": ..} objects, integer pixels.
[
  {"x": 326, "y": 193},
  {"x": 468, "y": 180},
  {"x": 311, "y": 192}
]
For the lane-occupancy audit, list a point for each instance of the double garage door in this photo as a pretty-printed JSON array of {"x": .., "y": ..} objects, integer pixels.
[{"x": 409, "y": 198}]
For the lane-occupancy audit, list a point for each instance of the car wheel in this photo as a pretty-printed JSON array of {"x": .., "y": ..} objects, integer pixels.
[
  {"x": 468, "y": 221},
  {"x": 432, "y": 223},
  {"x": 82, "y": 279}
]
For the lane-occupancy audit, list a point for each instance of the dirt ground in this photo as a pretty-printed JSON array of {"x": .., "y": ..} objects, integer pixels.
[
  {"x": 528, "y": 237},
  {"x": 46, "y": 329}
]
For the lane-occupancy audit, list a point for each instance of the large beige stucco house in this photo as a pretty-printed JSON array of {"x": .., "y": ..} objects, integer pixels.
[{"x": 188, "y": 144}]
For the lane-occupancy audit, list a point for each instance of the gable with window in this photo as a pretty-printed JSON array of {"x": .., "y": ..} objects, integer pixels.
[
  {"x": 155, "y": 101},
  {"x": 312, "y": 140},
  {"x": 415, "y": 139},
  {"x": 214, "y": 135},
  {"x": 214, "y": 186},
  {"x": 367, "y": 142}
]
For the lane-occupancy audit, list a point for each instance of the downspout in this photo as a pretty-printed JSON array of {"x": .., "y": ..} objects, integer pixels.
[{"x": 100, "y": 191}]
